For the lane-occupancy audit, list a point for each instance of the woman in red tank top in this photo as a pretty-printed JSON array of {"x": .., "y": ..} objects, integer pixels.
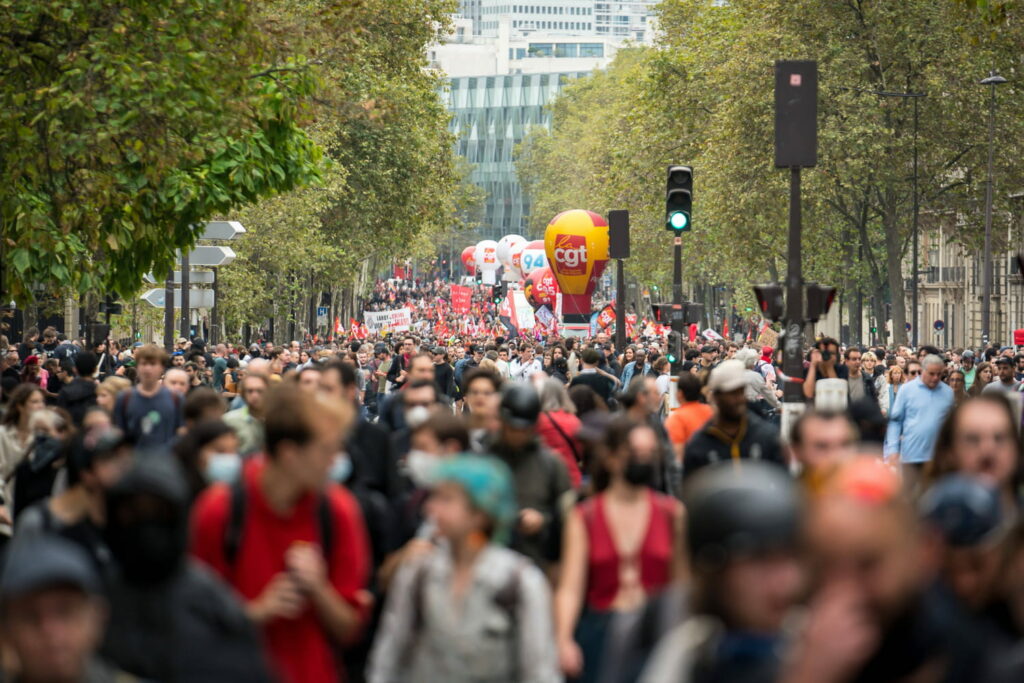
[{"x": 620, "y": 546}]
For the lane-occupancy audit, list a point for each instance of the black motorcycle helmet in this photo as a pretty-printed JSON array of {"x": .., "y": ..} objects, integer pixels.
[
  {"x": 520, "y": 405},
  {"x": 739, "y": 512}
]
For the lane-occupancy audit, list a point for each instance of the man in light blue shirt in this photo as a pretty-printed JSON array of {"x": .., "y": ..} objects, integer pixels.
[{"x": 916, "y": 415}]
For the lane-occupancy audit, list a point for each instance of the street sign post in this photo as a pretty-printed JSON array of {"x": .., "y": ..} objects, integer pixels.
[
  {"x": 222, "y": 230},
  {"x": 198, "y": 298},
  {"x": 211, "y": 256}
]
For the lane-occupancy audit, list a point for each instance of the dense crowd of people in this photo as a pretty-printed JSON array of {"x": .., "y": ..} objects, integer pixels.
[{"x": 447, "y": 506}]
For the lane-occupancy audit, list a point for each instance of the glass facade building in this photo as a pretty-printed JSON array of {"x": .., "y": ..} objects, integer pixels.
[{"x": 490, "y": 116}]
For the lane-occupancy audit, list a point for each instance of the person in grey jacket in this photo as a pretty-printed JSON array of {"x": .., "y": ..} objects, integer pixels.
[{"x": 468, "y": 611}]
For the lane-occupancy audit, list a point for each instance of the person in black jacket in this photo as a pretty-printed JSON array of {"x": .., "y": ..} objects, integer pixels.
[
  {"x": 734, "y": 433},
  {"x": 171, "y": 619},
  {"x": 78, "y": 395},
  {"x": 590, "y": 375},
  {"x": 444, "y": 374}
]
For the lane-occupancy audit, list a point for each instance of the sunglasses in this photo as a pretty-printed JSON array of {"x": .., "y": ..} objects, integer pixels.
[{"x": 913, "y": 373}]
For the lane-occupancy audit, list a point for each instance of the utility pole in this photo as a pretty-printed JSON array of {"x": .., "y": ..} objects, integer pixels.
[
  {"x": 993, "y": 80},
  {"x": 618, "y": 249},
  {"x": 796, "y": 146},
  {"x": 186, "y": 312},
  {"x": 169, "y": 311}
]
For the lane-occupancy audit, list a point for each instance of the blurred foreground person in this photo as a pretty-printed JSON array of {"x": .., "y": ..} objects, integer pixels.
[
  {"x": 293, "y": 547},
  {"x": 53, "y": 613},
  {"x": 742, "y": 534},
  {"x": 980, "y": 438},
  {"x": 621, "y": 546},
  {"x": 171, "y": 619},
  {"x": 471, "y": 611},
  {"x": 875, "y": 614}
]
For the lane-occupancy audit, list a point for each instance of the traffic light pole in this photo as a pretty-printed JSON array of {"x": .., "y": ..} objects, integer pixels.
[
  {"x": 620, "y": 306},
  {"x": 792, "y": 362},
  {"x": 677, "y": 272}
]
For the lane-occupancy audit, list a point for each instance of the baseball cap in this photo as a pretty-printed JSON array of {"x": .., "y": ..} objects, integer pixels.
[
  {"x": 707, "y": 348},
  {"x": 728, "y": 376},
  {"x": 1003, "y": 360},
  {"x": 42, "y": 561}
]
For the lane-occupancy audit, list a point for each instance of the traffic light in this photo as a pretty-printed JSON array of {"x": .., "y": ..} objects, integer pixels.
[
  {"x": 498, "y": 293},
  {"x": 770, "y": 300},
  {"x": 693, "y": 313},
  {"x": 111, "y": 305},
  {"x": 819, "y": 300},
  {"x": 679, "y": 198},
  {"x": 674, "y": 353},
  {"x": 662, "y": 313}
]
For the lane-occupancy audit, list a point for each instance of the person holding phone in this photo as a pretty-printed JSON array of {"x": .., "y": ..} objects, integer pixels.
[{"x": 824, "y": 358}]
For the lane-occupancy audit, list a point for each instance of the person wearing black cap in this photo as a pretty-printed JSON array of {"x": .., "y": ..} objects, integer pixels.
[
  {"x": 742, "y": 533},
  {"x": 171, "y": 619},
  {"x": 53, "y": 612},
  {"x": 543, "y": 489}
]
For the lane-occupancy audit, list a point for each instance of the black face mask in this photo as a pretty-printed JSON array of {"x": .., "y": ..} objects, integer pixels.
[{"x": 639, "y": 473}]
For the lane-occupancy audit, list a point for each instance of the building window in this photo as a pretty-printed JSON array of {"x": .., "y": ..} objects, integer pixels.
[
  {"x": 541, "y": 49},
  {"x": 592, "y": 50}
]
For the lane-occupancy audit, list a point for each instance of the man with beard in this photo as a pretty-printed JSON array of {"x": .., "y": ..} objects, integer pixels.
[
  {"x": 734, "y": 433},
  {"x": 543, "y": 489}
]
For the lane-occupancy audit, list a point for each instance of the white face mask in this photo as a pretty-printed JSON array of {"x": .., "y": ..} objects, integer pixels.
[
  {"x": 416, "y": 415},
  {"x": 421, "y": 466},
  {"x": 341, "y": 469},
  {"x": 223, "y": 468}
]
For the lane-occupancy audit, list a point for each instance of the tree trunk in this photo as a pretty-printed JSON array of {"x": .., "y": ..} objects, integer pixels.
[{"x": 894, "y": 267}]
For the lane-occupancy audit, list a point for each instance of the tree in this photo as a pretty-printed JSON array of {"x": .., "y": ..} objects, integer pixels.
[
  {"x": 125, "y": 124},
  {"x": 703, "y": 96}
]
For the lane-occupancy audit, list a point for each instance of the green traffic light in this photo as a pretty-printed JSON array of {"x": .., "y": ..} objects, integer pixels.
[
  {"x": 671, "y": 358},
  {"x": 678, "y": 220}
]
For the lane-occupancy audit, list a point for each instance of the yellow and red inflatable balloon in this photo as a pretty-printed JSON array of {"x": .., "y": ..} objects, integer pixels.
[{"x": 576, "y": 243}]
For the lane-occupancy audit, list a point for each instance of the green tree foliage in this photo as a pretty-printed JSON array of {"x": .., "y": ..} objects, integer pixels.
[
  {"x": 704, "y": 96},
  {"x": 124, "y": 124},
  {"x": 393, "y": 188}
]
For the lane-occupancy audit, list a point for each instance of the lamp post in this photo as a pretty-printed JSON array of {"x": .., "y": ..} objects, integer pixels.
[
  {"x": 915, "y": 265},
  {"x": 993, "y": 80}
]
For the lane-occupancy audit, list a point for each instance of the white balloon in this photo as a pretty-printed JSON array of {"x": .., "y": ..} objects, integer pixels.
[
  {"x": 534, "y": 257},
  {"x": 505, "y": 245},
  {"x": 487, "y": 256}
]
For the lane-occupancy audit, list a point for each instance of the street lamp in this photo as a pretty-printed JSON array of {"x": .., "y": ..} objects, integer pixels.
[
  {"x": 914, "y": 258},
  {"x": 993, "y": 80}
]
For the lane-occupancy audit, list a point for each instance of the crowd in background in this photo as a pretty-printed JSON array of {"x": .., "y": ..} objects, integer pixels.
[{"x": 438, "y": 505}]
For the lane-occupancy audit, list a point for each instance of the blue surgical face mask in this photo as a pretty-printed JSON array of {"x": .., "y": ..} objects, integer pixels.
[
  {"x": 341, "y": 469},
  {"x": 223, "y": 468}
]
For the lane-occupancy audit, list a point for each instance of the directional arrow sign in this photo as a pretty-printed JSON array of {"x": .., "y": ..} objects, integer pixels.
[
  {"x": 197, "y": 298},
  {"x": 211, "y": 256},
  {"x": 222, "y": 230},
  {"x": 195, "y": 277}
]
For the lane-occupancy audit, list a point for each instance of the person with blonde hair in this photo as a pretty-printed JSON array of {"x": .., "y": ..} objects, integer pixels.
[{"x": 108, "y": 390}]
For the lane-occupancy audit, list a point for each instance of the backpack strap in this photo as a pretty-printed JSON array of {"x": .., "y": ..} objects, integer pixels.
[
  {"x": 325, "y": 523},
  {"x": 236, "y": 520},
  {"x": 508, "y": 599},
  {"x": 566, "y": 437}
]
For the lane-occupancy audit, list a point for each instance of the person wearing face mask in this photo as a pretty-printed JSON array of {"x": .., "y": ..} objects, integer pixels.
[
  {"x": 441, "y": 436},
  {"x": 162, "y": 606},
  {"x": 620, "y": 546},
  {"x": 208, "y": 454},
  {"x": 292, "y": 546}
]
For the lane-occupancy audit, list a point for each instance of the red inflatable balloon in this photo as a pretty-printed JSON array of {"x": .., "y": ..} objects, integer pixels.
[
  {"x": 469, "y": 259},
  {"x": 541, "y": 288}
]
